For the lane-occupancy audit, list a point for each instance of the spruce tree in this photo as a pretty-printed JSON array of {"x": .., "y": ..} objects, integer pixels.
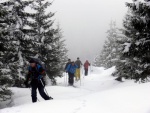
[
  {"x": 5, "y": 78},
  {"x": 137, "y": 49},
  {"x": 61, "y": 50},
  {"x": 19, "y": 45},
  {"x": 48, "y": 43},
  {"x": 109, "y": 54},
  {"x": 120, "y": 60}
]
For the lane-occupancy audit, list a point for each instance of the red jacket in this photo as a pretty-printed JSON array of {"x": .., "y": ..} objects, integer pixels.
[{"x": 86, "y": 65}]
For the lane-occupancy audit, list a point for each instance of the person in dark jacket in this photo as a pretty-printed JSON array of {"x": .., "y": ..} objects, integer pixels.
[
  {"x": 71, "y": 69},
  {"x": 69, "y": 62},
  {"x": 35, "y": 75},
  {"x": 77, "y": 74},
  {"x": 86, "y": 66}
]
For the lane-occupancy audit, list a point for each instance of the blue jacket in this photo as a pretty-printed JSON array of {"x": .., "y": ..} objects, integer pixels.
[{"x": 71, "y": 68}]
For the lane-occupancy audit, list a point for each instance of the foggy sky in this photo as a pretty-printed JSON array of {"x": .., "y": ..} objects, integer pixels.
[{"x": 85, "y": 22}]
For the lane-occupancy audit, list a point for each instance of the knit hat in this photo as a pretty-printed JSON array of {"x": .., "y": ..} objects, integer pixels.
[
  {"x": 32, "y": 61},
  {"x": 72, "y": 62}
]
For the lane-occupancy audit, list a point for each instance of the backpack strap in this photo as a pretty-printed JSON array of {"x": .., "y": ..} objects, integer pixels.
[{"x": 38, "y": 67}]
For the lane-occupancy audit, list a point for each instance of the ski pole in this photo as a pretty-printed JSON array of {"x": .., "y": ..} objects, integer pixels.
[
  {"x": 66, "y": 79},
  {"x": 44, "y": 88},
  {"x": 80, "y": 75},
  {"x": 83, "y": 76},
  {"x": 90, "y": 69}
]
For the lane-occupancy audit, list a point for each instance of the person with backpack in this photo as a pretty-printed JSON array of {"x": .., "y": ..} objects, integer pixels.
[
  {"x": 35, "y": 75},
  {"x": 86, "y": 66},
  {"x": 77, "y": 74},
  {"x": 71, "y": 69}
]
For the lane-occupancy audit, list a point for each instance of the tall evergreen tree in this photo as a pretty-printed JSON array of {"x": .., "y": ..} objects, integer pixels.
[
  {"x": 20, "y": 43},
  {"x": 137, "y": 49},
  {"x": 120, "y": 60},
  {"x": 110, "y": 52},
  {"x": 5, "y": 78},
  {"x": 61, "y": 49},
  {"x": 48, "y": 41}
]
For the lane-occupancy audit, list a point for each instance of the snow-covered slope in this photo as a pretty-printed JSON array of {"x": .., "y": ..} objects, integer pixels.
[{"x": 97, "y": 93}]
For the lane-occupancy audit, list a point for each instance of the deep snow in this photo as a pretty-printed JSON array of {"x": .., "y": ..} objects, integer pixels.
[{"x": 96, "y": 93}]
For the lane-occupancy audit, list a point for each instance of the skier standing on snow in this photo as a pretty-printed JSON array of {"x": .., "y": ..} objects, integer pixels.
[
  {"x": 86, "y": 66},
  {"x": 78, "y": 63},
  {"x": 36, "y": 74},
  {"x": 71, "y": 69}
]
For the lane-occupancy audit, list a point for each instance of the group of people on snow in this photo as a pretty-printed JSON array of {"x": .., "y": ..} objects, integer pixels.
[
  {"x": 36, "y": 73},
  {"x": 73, "y": 69}
]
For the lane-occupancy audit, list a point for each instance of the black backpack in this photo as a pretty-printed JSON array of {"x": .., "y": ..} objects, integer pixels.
[{"x": 38, "y": 61}]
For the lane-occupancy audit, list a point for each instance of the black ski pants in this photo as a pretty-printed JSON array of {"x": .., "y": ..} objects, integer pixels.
[
  {"x": 38, "y": 85},
  {"x": 86, "y": 71},
  {"x": 71, "y": 78}
]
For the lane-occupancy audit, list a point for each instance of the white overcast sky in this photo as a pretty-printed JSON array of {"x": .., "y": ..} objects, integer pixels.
[{"x": 85, "y": 22}]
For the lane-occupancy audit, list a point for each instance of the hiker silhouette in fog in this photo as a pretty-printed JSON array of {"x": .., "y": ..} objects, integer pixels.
[
  {"x": 77, "y": 74},
  {"x": 86, "y": 66}
]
